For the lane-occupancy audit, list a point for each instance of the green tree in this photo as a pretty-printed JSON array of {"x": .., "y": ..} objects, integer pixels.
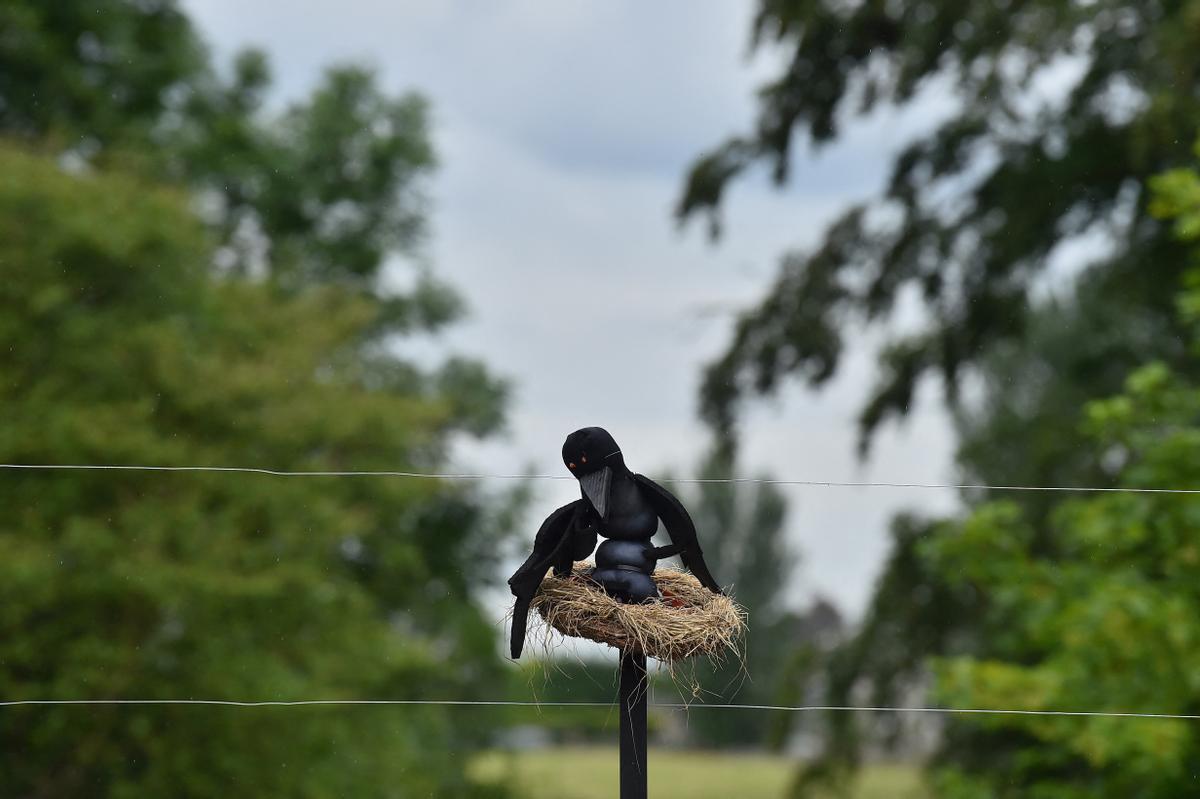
[
  {"x": 974, "y": 210},
  {"x": 120, "y": 345},
  {"x": 968, "y": 223},
  {"x": 93, "y": 75},
  {"x": 187, "y": 276},
  {"x": 323, "y": 192},
  {"x": 1042, "y": 604},
  {"x": 1104, "y": 620},
  {"x": 745, "y": 535}
]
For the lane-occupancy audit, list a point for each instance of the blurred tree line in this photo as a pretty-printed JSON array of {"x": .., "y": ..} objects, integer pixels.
[
  {"x": 746, "y": 533},
  {"x": 189, "y": 275},
  {"x": 1103, "y": 617},
  {"x": 743, "y": 528},
  {"x": 1061, "y": 114}
]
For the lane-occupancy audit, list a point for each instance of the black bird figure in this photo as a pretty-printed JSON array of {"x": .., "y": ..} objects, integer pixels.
[{"x": 619, "y": 505}]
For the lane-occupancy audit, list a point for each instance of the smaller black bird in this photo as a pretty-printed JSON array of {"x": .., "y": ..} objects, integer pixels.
[{"x": 619, "y": 505}]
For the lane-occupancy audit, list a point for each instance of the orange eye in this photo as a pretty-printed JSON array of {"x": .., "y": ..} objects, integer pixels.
[{"x": 570, "y": 466}]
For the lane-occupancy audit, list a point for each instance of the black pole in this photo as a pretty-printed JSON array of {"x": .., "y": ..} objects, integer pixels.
[{"x": 634, "y": 688}]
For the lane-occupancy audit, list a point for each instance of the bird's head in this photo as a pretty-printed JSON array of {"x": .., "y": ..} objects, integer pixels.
[{"x": 592, "y": 455}]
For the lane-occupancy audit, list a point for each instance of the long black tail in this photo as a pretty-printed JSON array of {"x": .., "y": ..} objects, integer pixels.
[{"x": 519, "y": 617}]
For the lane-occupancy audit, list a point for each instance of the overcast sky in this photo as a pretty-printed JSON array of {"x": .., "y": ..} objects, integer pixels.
[{"x": 564, "y": 130}]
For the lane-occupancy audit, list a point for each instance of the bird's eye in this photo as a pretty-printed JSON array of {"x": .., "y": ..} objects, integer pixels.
[{"x": 570, "y": 466}]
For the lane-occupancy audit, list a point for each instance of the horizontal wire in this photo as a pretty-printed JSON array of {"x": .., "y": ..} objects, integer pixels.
[
  {"x": 688, "y": 480},
  {"x": 666, "y": 705},
  {"x": 285, "y": 472},
  {"x": 513, "y": 703}
]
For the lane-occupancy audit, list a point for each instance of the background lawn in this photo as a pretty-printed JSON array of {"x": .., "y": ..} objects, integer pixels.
[{"x": 591, "y": 773}]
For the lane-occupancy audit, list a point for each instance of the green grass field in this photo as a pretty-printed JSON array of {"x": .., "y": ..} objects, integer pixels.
[{"x": 591, "y": 773}]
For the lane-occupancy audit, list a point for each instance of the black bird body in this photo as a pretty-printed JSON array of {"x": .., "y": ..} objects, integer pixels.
[
  {"x": 622, "y": 507},
  {"x": 626, "y": 560}
]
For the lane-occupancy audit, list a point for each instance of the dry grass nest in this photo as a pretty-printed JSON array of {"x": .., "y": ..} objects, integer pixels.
[{"x": 686, "y": 620}]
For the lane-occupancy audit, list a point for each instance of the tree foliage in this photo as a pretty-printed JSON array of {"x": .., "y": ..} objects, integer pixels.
[
  {"x": 1062, "y": 114},
  {"x": 1103, "y": 620},
  {"x": 188, "y": 276},
  {"x": 1047, "y": 604},
  {"x": 119, "y": 346},
  {"x": 973, "y": 211},
  {"x": 93, "y": 75},
  {"x": 321, "y": 192},
  {"x": 324, "y": 191},
  {"x": 744, "y": 529}
]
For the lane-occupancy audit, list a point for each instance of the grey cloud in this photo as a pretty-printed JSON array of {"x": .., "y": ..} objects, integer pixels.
[{"x": 562, "y": 130}]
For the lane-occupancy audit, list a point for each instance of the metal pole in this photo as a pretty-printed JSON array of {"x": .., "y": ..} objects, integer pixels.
[{"x": 633, "y": 690}]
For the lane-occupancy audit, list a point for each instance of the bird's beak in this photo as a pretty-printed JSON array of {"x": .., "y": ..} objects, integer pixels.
[{"x": 595, "y": 488}]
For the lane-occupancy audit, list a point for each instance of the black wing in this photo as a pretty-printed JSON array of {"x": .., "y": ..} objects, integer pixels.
[
  {"x": 551, "y": 547},
  {"x": 681, "y": 528}
]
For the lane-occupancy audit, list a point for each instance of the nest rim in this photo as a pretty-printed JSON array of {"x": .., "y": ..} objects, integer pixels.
[{"x": 686, "y": 620}]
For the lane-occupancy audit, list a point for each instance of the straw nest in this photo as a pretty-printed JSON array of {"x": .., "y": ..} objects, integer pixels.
[{"x": 686, "y": 620}]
